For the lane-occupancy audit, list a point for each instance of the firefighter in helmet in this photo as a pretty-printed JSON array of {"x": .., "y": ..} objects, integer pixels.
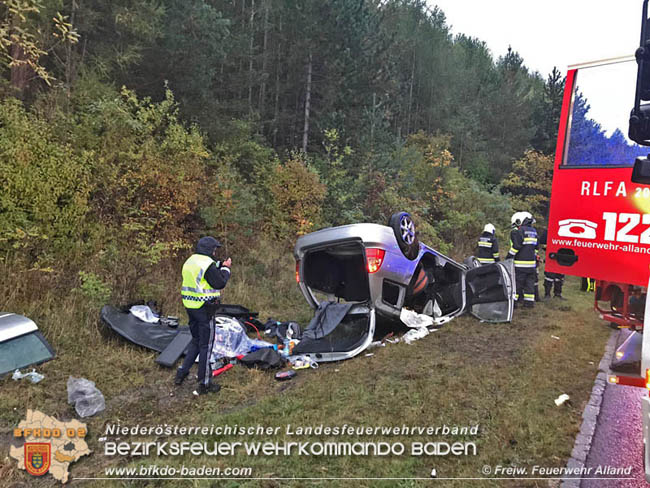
[
  {"x": 523, "y": 249},
  {"x": 488, "y": 246}
]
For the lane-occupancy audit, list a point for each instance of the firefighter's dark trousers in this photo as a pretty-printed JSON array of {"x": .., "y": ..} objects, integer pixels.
[
  {"x": 202, "y": 329},
  {"x": 553, "y": 281},
  {"x": 525, "y": 278}
]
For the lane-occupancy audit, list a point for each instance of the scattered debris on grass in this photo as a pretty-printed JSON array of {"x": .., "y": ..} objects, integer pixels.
[
  {"x": 85, "y": 396},
  {"x": 563, "y": 398},
  {"x": 32, "y": 376},
  {"x": 285, "y": 375}
]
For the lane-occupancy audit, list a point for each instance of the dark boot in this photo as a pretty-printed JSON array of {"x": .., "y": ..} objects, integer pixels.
[
  {"x": 557, "y": 289},
  {"x": 205, "y": 389},
  {"x": 180, "y": 376},
  {"x": 547, "y": 289}
]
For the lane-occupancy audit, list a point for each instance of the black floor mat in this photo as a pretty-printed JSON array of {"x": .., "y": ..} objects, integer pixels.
[
  {"x": 348, "y": 335},
  {"x": 145, "y": 334}
]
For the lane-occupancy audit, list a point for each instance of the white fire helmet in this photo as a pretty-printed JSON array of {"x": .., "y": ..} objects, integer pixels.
[
  {"x": 527, "y": 216},
  {"x": 517, "y": 218},
  {"x": 489, "y": 228}
]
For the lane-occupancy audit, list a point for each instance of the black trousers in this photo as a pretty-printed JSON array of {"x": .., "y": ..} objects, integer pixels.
[
  {"x": 525, "y": 278},
  {"x": 202, "y": 329},
  {"x": 553, "y": 280}
]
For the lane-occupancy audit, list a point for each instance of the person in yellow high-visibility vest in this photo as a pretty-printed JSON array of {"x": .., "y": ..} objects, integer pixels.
[{"x": 203, "y": 280}]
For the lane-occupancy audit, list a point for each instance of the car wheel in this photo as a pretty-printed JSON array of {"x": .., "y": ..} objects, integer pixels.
[{"x": 404, "y": 229}]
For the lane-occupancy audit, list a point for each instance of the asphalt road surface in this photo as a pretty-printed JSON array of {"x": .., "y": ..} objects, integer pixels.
[{"x": 618, "y": 439}]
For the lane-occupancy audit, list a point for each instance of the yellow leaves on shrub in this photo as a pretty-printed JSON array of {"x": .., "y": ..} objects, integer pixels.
[
  {"x": 45, "y": 183},
  {"x": 529, "y": 183},
  {"x": 151, "y": 177},
  {"x": 297, "y": 196},
  {"x": 429, "y": 169},
  {"x": 18, "y": 34}
]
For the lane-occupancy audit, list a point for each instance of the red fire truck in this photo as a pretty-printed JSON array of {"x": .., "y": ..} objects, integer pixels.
[{"x": 599, "y": 222}]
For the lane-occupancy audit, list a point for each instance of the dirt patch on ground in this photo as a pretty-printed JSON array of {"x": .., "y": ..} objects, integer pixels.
[{"x": 486, "y": 343}]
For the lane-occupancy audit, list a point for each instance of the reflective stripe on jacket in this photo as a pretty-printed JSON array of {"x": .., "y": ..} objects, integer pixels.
[
  {"x": 196, "y": 290},
  {"x": 488, "y": 248},
  {"x": 523, "y": 249}
]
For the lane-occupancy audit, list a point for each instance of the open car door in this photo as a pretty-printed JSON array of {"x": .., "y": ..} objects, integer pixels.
[
  {"x": 490, "y": 291},
  {"x": 349, "y": 337}
]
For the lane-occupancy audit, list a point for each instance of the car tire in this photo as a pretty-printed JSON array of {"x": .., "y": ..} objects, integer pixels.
[{"x": 404, "y": 229}]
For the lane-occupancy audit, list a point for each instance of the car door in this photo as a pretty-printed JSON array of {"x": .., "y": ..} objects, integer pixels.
[
  {"x": 490, "y": 291},
  {"x": 349, "y": 338}
]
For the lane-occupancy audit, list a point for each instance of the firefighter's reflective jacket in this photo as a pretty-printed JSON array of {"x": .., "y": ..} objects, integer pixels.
[
  {"x": 488, "y": 248},
  {"x": 523, "y": 248}
]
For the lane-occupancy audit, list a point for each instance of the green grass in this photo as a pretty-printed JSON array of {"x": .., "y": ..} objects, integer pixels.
[{"x": 502, "y": 377}]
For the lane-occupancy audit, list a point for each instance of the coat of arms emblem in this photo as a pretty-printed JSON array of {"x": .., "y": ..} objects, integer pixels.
[{"x": 37, "y": 457}]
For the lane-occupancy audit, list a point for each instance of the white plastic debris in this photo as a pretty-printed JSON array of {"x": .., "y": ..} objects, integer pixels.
[
  {"x": 561, "y": 399},
  {"x": 414, "y": 319},
  {"x": 302, "y": 361},
  {"x": 432, "y": 308},
  {"x": 85, "y": 396},
  {"x": 370, "y": 354},
  {"x": 32, "y": 376},
  {"x": 374, "y": 344},
  {"x": 144, "y": 313},
  {"x": 415, "y": 334},
  {"x": 555, "y": 337}
]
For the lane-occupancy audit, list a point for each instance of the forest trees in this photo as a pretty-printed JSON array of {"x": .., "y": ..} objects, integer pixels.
[
  {"x": 257, "y": 119},
  {"x": 376, "y": 71},
  {"x": 27, "y": 35}
]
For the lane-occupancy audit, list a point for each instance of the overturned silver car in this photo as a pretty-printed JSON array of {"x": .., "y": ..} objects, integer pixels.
[{"x": 378, "y": 270}]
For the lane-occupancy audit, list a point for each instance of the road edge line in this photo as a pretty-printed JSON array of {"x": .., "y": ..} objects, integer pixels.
[{"x": 582, "y": 444}]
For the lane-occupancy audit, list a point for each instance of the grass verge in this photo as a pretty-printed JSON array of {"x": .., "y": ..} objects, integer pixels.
[{"x": 502, "y": 378}]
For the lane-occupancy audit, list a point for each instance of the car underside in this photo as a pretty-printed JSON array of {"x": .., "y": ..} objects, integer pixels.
[{"x": 366, "y": 265}]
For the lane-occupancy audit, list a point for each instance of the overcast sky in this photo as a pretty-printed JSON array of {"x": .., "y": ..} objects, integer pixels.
[
  {"x": 550, "y": 32},
  {"x": 560, "y": 33}
]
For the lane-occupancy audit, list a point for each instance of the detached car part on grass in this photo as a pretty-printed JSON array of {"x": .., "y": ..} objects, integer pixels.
[
  {"x": 381, "y": 269},
  {"x": 170, "y": 340},
  {"x": 21, "y": 343}
]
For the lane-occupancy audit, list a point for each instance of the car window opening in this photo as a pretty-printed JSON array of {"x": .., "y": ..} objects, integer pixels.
[
  {"x": 339, "y": 271},
  {"x": 434, "y": 282}
]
